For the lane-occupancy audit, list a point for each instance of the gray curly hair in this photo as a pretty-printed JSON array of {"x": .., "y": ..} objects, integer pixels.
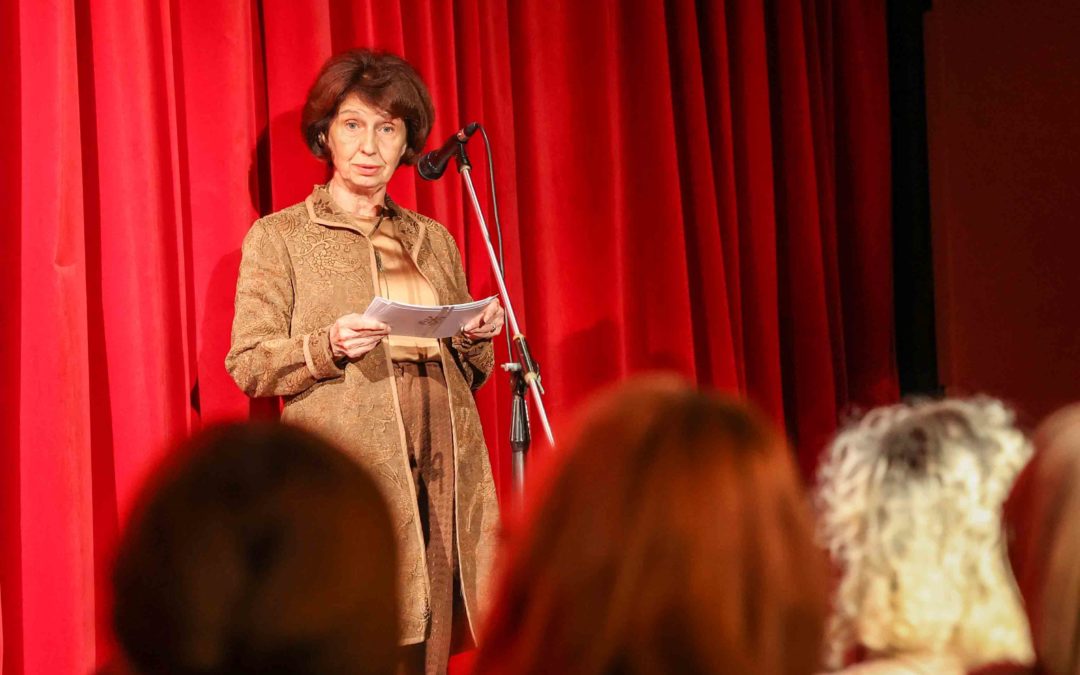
[{"x": 909, "y": 501}]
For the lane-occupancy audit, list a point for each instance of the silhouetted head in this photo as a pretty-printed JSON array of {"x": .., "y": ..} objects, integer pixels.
[{"x": 258, "y": 549}]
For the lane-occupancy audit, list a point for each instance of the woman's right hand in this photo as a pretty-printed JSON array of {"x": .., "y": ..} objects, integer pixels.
[{"x": 354, "y": 335}]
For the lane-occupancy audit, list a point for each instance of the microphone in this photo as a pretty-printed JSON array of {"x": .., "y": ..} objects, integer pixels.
[{"x": 432, "y": 165}]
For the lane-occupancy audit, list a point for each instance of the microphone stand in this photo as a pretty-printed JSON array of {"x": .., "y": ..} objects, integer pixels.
[{"x": 524, "y": 371}]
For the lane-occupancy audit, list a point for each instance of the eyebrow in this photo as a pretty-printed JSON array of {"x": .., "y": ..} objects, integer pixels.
[{"x": 354, "y": 111}]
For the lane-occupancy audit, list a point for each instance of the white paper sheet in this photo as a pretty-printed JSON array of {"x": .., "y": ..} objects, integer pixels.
[{"x": 426, "y": 321}]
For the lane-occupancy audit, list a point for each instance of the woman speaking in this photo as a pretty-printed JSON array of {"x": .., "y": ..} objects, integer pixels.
[{"x": 401, "y": 406}]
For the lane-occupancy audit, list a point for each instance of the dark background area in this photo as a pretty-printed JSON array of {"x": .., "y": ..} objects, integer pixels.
[
  {"x": 913, "y": 271},
  {"x": 991, "y": 197}
]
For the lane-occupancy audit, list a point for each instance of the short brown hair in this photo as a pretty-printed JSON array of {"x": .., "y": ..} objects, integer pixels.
[
  {"x": 382, "y": 80},
  {"x": 673, "y": 536},
  {"x": 258, "y": 548}
]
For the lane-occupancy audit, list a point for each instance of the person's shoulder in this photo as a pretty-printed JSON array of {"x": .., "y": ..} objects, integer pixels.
[
  {"x": 272, "y": 232},
  {"x": 875, "y": 667},
  {"x": 283, "y": 220},
  {"x": 1006, "y": 669},
  {"x": 940, "y": 664}
]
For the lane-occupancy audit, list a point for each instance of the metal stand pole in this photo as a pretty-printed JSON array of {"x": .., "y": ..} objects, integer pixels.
[{"x": 525, "y": 373}]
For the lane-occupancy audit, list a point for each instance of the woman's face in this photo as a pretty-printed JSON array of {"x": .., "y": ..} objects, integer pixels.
[{"x": 366, "y": 145}]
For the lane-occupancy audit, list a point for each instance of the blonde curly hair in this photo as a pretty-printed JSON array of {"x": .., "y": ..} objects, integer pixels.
[{"x": 909, "y": 501}]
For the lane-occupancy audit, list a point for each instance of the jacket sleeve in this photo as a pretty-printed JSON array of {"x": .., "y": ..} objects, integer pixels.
[
  {"x": 265, "y": 359},
  {"x": 475, "y": 357}
]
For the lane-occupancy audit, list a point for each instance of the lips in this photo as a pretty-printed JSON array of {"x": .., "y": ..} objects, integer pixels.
[{"x": 367, "y": 169}]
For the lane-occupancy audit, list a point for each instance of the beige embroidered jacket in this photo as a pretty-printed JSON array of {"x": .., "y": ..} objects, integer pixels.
[{"x": 302, "y": 268}]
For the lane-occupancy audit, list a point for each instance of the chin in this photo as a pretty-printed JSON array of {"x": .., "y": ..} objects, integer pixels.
[{"x": 367, "y": 182}]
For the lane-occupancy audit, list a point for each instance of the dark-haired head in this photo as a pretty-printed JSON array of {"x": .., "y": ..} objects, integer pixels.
[
  {"x": 258, "y": 548},
  {"x": 383, "y": 81}
]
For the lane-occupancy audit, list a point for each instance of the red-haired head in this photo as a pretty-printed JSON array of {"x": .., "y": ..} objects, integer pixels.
[{"x": 673, "y": 537}]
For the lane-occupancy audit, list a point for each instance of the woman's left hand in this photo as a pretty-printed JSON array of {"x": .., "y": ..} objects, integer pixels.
[{"x": 487, "y": 325}]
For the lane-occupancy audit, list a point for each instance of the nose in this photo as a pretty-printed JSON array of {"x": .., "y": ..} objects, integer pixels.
[{"x": 367, "y": 143}]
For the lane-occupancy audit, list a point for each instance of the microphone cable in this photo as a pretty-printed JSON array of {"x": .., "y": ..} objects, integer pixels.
[{"x": 498, "y": 226}]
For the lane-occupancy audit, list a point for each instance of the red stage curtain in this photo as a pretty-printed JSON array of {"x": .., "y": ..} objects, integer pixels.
[{"x": 694, "y": 186}]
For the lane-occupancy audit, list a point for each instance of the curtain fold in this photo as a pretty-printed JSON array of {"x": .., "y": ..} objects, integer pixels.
[
  {"x": 10, "y": 353},
  {"x": 701, "y": 187},
  {"x": 50, "y": 606}
]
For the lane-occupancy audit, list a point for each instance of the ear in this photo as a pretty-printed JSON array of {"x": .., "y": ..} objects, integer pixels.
[{"x": 324, "y": 145}]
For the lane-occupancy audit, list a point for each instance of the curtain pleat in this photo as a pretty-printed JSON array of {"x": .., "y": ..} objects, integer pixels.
[
  {"x": 52, "y": 608},
  {"x": 698, "y": 187},
  {"x": 11, "y": 335}
]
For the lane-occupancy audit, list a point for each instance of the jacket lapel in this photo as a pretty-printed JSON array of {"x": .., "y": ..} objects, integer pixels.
[
  {"x": 321, "y": 209},
  {"x": 410, "y": 231}
]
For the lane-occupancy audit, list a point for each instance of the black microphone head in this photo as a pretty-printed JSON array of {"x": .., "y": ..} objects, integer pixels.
[
  {"x": 468, "y": 130},
  {"x": 432, "y": 165},
  {"x": 428, "y": 166}
]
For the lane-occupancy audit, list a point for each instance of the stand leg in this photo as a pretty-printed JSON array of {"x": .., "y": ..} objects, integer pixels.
[{"x": 520, "y": 437}]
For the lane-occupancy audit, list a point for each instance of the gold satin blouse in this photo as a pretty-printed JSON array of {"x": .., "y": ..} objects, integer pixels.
[{"x": 401, "y": 280}]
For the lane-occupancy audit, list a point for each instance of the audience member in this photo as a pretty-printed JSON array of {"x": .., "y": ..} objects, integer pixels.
[
  {"x": 910, "y": 500},
  {"x": 1047, "y": 548},
  {"x": 258, "y": 549},
  {"x": 672, "y": 536}
]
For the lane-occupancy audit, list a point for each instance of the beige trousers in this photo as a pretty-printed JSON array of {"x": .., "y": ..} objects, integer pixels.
[{"x": 425, "y": 411}]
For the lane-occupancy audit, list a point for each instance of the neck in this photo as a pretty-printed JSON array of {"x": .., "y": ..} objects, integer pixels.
[{"x": 356, "y": 203}]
